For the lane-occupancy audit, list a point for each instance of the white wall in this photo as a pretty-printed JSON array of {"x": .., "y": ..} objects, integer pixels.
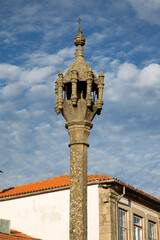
[
  {"x": 46, "y": 216},
  {"x": 93, "y": 212}
]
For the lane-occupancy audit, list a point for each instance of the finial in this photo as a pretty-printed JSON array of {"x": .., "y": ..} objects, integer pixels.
[{"x": 79, "y": 41}]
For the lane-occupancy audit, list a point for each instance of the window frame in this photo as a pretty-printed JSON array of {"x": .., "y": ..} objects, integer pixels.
[
  {"x": 137, "y": 226},
  {"x": 125, "y": 228},
  {"x": 138, "y": 212},
  {"x": 154, "y": 230}
]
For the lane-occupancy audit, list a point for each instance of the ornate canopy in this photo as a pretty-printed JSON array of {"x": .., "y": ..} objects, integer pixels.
[{"x": 79, "y": 81}]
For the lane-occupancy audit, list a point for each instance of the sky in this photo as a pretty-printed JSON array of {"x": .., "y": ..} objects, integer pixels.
[{"x": 36, "y": 42}]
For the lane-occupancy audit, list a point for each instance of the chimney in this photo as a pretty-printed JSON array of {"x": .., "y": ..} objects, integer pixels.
[{"x": 5, "y": 226}]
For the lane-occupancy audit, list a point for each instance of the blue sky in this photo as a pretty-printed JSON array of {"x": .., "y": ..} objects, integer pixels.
[{"x": 122, "y": 40}]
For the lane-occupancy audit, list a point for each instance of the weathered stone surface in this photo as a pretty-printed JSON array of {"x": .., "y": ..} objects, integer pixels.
[
  {"x": 82, "y": 100},
  {"x": 82, "y": 66},
  {"x": 78, "y": 192},
  {"x": 107, "y": 214}
]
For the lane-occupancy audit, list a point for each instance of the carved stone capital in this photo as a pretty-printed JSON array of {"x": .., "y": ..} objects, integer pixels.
[
  {"x": 79, "y": 132},
  {"x": 80, "y": 113}
]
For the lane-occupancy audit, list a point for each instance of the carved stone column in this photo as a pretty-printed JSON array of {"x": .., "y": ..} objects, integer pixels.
[
  {"x": 78, "y": 108},
  {"x": 78, "y": 179}
]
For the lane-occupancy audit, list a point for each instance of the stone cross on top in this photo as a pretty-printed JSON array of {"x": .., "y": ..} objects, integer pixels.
[
  {"x": 79, "y": 98},
  {"x": 79, "y": 21}
]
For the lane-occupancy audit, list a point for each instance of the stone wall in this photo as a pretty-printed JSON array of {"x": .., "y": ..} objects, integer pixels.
[
  {"x": 107, "y": 214},
  {"x": 111, "y": 201}
]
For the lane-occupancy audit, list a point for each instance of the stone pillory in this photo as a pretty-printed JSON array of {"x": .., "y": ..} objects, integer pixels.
[{"x": 79, "y": 98}]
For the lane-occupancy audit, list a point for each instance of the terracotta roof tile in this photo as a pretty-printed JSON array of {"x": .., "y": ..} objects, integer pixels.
[
  {"x": 15, "y": 235},
  {"x": 46, "y": 184},
  {"x": 56, "y": 182}
]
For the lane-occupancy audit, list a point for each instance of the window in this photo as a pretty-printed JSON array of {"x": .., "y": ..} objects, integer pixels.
[
  {"x": 122, "y": 225},
  {"x": 137, "y": 228},
  {"x": 151, "y": 229}
]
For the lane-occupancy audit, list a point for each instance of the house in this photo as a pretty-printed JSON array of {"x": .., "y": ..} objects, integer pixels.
[
  {"x": 116, "y": 210},
  {"x": 9, "y": 234}
]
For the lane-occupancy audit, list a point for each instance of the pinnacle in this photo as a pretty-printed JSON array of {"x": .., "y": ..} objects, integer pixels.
[
  {"x": 101, "y": 74},
  {"x": 60, "y": 73}
]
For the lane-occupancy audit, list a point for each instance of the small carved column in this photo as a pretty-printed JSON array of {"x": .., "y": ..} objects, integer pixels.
[
  {"x": 60, "y": 90},
  {"x": 74, "y": 87},
  {"x": 89, "y": 87},
  {"x": 100, "y": 90}
]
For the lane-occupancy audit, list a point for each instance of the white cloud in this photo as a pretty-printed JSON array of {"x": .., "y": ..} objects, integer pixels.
[
  {"x": 16, "y": 80},
  {"x": 124, "y": 153},
  {"x": 9, "y": 72},
  {"x": 31, "y": 132},
  {"x": 127, "y": 73},
  {"x": 150, "y": 76},
  {"x": 96, "y": 38},
  {"x": 131, "y": 85},
  {"x": 107, "y": 33},
  {"x": 11, "y": 91},
  {"x": 39, "y": 92},
  {"x": 35, "y": 76},
  {"x": 147, "y": 10},
  {"x": 52, "y": 60}
]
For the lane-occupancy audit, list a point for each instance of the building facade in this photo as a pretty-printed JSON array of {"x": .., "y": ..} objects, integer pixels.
[{"x": 116, "y": 210}]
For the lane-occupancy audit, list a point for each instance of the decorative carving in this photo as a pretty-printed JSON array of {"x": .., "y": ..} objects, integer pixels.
[
  {"x": 100, "y": 90},
  {"x": 79, "y": 39},
  {"x": 89, "y": 87},
  {"x": 74, "y": 87},
  {"x": 59, "y": 93},
  {"x": 56, "y": 105}
]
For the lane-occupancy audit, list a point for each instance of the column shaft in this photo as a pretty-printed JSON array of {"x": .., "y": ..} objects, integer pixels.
[{"x": 78, "y": 192}]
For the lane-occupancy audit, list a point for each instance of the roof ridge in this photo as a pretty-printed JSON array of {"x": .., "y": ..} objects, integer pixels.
[
  {"x": 52, "y": 178},
  {"x": 60, "y": 182},
  {"x": 45, "y": 184},
  {"x": 137, "y": 189},
  {"x": 98, "y": 175}
]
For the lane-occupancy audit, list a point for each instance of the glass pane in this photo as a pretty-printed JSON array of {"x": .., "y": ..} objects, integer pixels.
[
  {"x": 135, "y": 235},
  {"x": 139, "y": 234},
  {"x": 137, "y": 221},
  {"x": 121, "y": 233},
  {"x": 151, "y": 230},
  {"x": 122, "y": 218},
  {"x": 137, "y": 228},
  {"x": 122, "y": 225}
]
